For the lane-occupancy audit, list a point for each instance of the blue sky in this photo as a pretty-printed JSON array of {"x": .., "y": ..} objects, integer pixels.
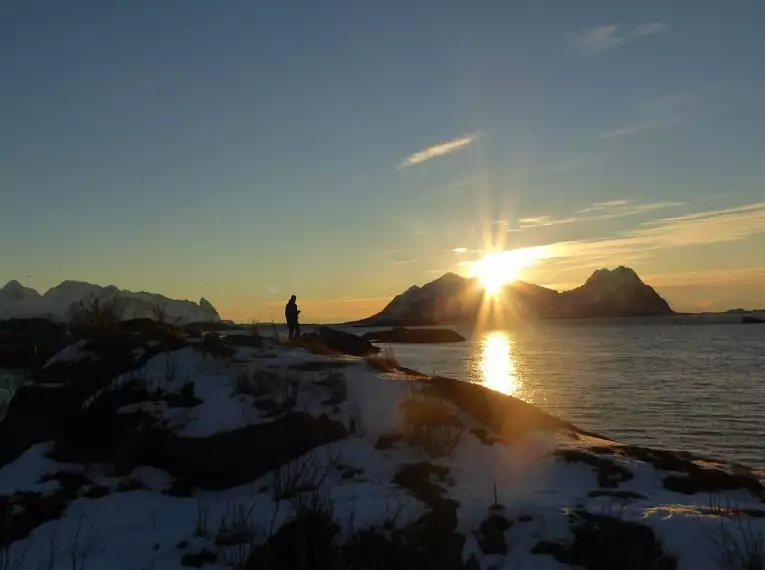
[{"x": 243, "y": 151}]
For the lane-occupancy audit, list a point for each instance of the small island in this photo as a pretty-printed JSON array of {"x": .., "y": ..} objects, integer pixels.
[{"x": 415, "y": 336}]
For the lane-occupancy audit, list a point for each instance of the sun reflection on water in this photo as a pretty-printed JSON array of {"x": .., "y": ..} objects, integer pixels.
[{"x": 497, "y": 366}]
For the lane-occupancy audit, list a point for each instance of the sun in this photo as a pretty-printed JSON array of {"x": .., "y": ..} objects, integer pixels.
[
  {"x": 494, "y": 271},
  {"x": 497, "y": 269}
]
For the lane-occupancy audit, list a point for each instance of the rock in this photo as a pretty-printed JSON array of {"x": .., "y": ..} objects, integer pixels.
[
  {"x": 28, "y": 343},
  {"x": 221, "y": 461},
  {"x": 40, "y": 411},
  {"x": 602, "y": 542},
  {"x": 752, "y": 321},
  {"x": 491, "y": 535},
  {"x": 338, "y": 341},
  {"x": 404, "y": 335}
]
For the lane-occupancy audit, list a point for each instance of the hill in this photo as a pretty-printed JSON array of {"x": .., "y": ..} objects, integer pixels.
[
  {"x": 452, "y": 299},
  {"x": 17, "y": 301}
]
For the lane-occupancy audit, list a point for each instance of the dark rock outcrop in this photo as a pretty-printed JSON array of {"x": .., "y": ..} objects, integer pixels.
[
  {"x": 415, "y": 336},
  {"x": 28, "y": 343},
  {"x": 337, "y": 341},
  {"x": 603, "y": 542},
  {"x": 39, "y": 411}
]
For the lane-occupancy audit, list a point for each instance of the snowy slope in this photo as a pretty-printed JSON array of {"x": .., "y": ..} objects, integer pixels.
[
  {"x": 17, "y": 301},
  {"x": 519, "y": 499}
]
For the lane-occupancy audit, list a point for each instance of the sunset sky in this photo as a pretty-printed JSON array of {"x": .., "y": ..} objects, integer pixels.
[{"x": 244, "y": 150}]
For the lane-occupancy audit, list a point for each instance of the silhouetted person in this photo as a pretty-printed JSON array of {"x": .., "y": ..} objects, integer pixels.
[{"x": 291, "y": 315}]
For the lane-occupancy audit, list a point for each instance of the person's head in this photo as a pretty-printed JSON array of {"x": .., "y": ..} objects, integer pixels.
[{"x": 293, "y": 299}]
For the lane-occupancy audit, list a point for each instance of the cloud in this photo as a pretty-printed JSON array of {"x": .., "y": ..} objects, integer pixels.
[
  {"x": 700, "y": 228},
  {"x": 403, "y": 261},
  {"x": 638, "y": 128},
  {"x": 600, "y": 206},
  {"x": 601, "y": 39},
  {"x": 440, "y": 149},
  {"x": 598, "y": 211},
  {"x": 649, "y": 29},
  {"x": 598, "y": 39},
  {"x": 707, "y": 277}
]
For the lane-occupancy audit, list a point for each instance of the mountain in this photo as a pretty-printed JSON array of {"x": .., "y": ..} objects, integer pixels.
[
  {"x": 17, "y": 301},
  {"x": 452, "y": 299}
]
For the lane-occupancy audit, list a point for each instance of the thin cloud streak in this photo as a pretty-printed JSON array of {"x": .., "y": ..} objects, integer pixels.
[
  {"x": 701, "y": 228},
  {"x": 650, "y": 29},
  {"x": 638, "y": 128},
  {"x": 599, "y": 206},
  {"x": 440, "y": 149},
  {"x": 602, "y": 39},
  {"x": 600, "y": 211}
]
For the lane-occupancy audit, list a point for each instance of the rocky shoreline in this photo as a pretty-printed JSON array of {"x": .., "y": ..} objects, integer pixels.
[{"x": 157, "y": 449}]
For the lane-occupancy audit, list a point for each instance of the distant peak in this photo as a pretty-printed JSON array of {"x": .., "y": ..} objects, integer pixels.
[
  {"x": 71, "y": 284},
  {"x": 12, "y": 285},
  {"x": 450, "y": 277},
  {"x": 621, "y": 273}
]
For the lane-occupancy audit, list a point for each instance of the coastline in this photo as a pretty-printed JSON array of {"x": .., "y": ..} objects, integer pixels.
[{"x": 494, "y": 476}]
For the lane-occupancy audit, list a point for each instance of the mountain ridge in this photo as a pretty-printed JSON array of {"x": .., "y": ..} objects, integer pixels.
[
  {"x": 18, "y": 301},
  {"x": 452, "y": 299}
]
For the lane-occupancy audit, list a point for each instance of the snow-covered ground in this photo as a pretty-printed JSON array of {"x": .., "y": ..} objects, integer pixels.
[{"x": 527, "y": 501}]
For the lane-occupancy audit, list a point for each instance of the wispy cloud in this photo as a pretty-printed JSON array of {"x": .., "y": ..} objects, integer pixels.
[
  {"x": 601, "y": 39},
  {"x": 649, "y": 29},
  {"x": 600, "y": 206},
  {"x": 700, "y": 228},
  {"x": 439, "y": 149},
  {"x": 638, "y": 128},
  {"x": 403, "y": 261},
  {"x": 599, "y": 211}
]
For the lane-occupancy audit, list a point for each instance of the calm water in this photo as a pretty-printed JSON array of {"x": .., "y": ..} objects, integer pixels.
[{"x": 692, "y": 385}]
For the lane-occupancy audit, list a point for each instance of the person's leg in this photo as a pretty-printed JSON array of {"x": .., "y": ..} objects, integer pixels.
[
  {"x": 289, "y": 335},
  {"x": 297, "y": 329}
]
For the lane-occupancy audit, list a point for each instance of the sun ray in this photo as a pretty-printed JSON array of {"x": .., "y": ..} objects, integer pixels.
[{"x": 497, "y": 269}]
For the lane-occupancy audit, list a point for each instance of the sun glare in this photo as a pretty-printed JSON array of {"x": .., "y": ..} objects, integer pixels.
[
  {"x": 495, "y": 270},
  {"x": 497, "y": 366}
]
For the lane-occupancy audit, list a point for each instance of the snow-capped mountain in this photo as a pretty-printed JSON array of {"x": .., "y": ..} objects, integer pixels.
[
  {"x": 452, "y": 299},
  {"x": 17, "y": 301}
]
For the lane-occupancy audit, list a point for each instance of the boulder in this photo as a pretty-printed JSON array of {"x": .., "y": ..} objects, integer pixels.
[
  {"x": 404, "y": 335},
  {"x": 28, "y": 343},
  {"x": 339, "y": 341}
]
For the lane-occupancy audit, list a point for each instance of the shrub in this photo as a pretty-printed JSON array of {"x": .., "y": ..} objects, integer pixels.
[
  {"x": 429, "y": 425},
  {"x": 252, "y": 383},
  {"x": 737, "y": 546},
  {"x": 304, "y": 474},
  {"x": 159, "y": 313},
  {"x": 384, "y": 361},
  {"x": 96, "y": 315},
  {"x": 215, "y": 346}
]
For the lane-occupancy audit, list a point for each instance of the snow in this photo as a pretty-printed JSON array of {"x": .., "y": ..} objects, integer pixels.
[
  {"x": 25, "y": 473},
  {"x": 72, "y": 353},
  {"x": 537, "y": 491},
  {"x": 17, "y": 301}
]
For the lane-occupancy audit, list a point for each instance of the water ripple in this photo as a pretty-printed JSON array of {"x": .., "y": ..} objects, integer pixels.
[{"x": 699, "y": 388}]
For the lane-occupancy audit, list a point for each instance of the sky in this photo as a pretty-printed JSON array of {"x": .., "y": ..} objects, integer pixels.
[{"x": 343, "y": 151}]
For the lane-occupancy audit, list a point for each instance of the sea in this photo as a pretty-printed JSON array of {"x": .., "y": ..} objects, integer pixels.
[{"x": 694, "y": 383}]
